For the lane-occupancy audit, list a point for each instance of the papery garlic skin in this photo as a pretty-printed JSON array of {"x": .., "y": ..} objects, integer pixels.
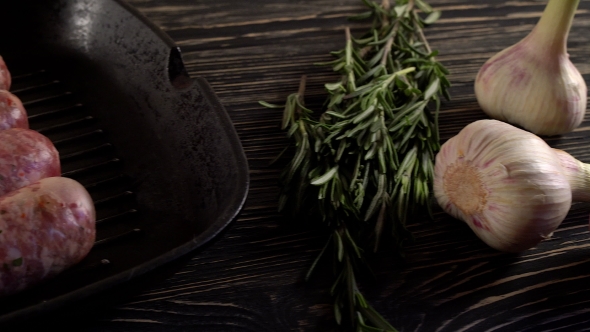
[
  {"x": 512, "y": 87},
  {"x": 578, "y": 175},
  {"x": 533, "y": 83},
  {"x": 505, "y": 183}
]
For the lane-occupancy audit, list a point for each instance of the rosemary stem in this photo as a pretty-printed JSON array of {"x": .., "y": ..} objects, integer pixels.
[
  {"x": 348, "y": 62},
  {"x": 423, "y": 40},
  {"x": 301, "y": 91},
  {"x": 388, "y": 45},
  {"x": 386, "y": 7}
]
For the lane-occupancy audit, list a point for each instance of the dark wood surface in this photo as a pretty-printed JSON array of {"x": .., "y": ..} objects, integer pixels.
[{"x": 250, "y": 278}]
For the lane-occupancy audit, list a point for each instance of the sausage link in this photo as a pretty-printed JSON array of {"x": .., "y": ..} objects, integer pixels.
[
  {"x": 5, "y": 78},
  {"x": 26, "y": 156},
  {"x": 45, "y": 228},
  {"x": 12, "y": 112}
]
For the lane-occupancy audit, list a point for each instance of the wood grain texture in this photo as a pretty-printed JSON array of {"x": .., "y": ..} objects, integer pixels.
[{"x": 250, "y": 278}]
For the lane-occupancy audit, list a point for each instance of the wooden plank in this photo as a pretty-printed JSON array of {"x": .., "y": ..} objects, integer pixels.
[{"x": 250, "y": 279}]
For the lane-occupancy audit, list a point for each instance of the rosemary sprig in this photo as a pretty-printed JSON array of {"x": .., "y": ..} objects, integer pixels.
[{"x": 367, "y": 162}]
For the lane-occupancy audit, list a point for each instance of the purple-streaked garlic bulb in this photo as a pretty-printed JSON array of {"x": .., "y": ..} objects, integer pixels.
[
  {"x": 5, "y": 78},
  {"x": 533, "y": 83},
  {"x": 507, "y": 184}
]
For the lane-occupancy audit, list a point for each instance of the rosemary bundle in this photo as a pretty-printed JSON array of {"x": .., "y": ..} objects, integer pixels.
[{"x": 367, "y": 162}]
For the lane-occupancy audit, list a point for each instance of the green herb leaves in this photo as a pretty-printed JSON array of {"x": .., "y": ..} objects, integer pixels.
[{"x": 367, "y": 161}]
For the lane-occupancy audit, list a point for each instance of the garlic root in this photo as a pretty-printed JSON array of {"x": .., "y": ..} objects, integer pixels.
[
  {"x": 533, "y": 83},
  {"x": 507, "y": 184}
]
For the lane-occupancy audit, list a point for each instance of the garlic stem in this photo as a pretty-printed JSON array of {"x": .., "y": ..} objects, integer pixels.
[
  {"x": 533, "y": 83},
  {"x": 553, "y": 28}
]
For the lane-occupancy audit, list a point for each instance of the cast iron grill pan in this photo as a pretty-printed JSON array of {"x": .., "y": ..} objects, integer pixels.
[{"x": 154, "y": 148}]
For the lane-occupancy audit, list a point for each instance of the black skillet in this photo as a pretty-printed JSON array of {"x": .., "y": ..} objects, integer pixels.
[{"x": 155, "y": 148}]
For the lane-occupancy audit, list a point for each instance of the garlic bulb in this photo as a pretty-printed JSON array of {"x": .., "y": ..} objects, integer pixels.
[
  {"x": 533, "y": 83},
  {"x": 507, "y": 184},
  {"x": 5, "y": 78}
]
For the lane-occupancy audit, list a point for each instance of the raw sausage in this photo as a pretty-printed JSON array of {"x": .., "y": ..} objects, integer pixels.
[
  {"x": 26, "y": 156},
  {"x": 5, "y": 78},
  {"x": 45, "y": 228},
  {"x": 12, "y": 112}
]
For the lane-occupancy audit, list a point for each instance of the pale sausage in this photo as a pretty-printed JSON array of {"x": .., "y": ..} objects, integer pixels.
[
  {"x": 5, "y": 78},
  {"x": 12, "y": 112},
  {"x": 45, "y": 228},
  {"x": 26, "y": 156}
]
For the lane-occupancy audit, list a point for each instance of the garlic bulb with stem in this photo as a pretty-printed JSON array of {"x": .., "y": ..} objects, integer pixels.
[
  {"x": 507, "y": 184},
  {"x": 533, "y": 83}
]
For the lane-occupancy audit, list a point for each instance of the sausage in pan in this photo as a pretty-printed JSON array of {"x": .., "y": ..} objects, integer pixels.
[
  {"x": 26, "y": 156},
  {"x": 12, "y": 111},
  {"x": 5, "y": 79},
  {"x": 45, "y": 228}
]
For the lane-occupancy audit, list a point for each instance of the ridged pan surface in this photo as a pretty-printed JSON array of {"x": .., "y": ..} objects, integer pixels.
[{"x": 155, "y": 148}]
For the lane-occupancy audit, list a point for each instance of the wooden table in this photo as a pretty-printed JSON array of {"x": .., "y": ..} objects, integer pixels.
[{"x": 250, "y": 277}]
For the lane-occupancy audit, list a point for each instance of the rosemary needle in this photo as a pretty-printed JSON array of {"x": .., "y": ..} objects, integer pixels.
[{"x": 367, "y": 162}]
